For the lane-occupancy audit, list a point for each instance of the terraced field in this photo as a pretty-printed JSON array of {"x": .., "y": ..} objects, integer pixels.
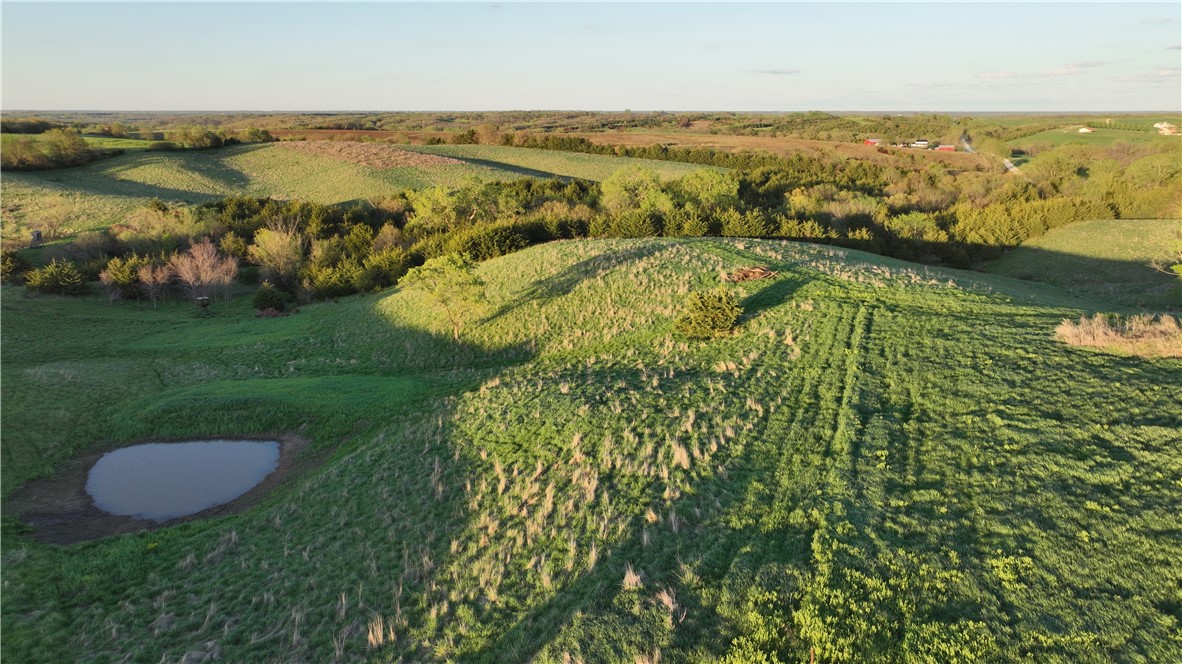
[{"x": 884, "y": 463}]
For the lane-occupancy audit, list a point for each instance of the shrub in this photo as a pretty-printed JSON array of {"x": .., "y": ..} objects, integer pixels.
[
  {"x": 13, "y": 267},
  {"x": 120, "y": 277},
  {"x": 268, "y": 297},
  {"x": 381, "y": 269},
  {"x": 738, "y": 224},
  {"x": 322, "y": 282},
  {"x": 59, "y": 278},
  {"x": 162, "y": 146},
  {"x": 709, "y": 314},
  {"x": 484, "y": 242}
]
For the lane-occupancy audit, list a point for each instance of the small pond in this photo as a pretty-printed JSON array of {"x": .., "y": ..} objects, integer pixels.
[{"x": 163, "y": 481}]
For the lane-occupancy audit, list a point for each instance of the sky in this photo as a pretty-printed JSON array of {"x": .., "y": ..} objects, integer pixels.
[{"x": 280, "y": 56}]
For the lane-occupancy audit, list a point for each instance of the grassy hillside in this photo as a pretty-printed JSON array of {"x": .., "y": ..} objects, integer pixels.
[
  {"x": 547, "y": 163},
  {"x": 884, "y": 463},
  {"x": 102, "y": 192},
  {"x": 1108, "y": 260}
]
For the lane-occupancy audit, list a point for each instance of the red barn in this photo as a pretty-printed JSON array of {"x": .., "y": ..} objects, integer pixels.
[
  {"x": 946, "y": 148},
  {"x": 872, "y": 141}
]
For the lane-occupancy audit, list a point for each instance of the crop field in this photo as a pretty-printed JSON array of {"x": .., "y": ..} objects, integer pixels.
[
  {"x": 104, "y": 191},
  {"x": 1108, "y": 260},
  {"x": 884, "y": 462}
]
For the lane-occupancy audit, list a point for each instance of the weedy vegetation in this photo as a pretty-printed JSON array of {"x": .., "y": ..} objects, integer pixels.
[{"x": 1141, "y": 334}]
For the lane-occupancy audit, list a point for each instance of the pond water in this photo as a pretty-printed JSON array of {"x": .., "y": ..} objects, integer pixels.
[{"x": 162, "y": 481}]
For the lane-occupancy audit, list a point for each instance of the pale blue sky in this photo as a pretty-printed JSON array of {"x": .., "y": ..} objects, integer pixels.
[{"x": 607, "y": 56}]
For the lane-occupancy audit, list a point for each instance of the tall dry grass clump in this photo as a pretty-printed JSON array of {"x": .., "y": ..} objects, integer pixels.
[{"x": 1142, "y": 334}]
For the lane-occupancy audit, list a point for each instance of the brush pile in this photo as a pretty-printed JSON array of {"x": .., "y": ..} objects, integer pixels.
[{"x": 749, "y": 274}]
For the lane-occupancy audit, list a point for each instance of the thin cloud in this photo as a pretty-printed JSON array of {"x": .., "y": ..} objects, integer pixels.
[
  {"x": 1175, "y": 47},
  {"x": 995, "y": 74},
  {"x": 777, "y": 71},
  {"x": 1073, "y": 69},
  {"x": 1158, "y": 76}
]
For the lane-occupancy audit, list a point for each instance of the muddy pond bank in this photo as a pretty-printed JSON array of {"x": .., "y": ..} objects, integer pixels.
[{"x": 60, "y": 511}]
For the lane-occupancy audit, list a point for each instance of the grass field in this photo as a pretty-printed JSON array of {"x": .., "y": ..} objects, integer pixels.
[
  {"x": 546, "y": 163},
  {"x": 105, "y": 191},
  {"x": 1107, "y": 260},
  {"x": 1100, "y": 137},
  {"x": 885, "y": 463},
  {"x": 785, "y": 146},
  {"x": 110, "y": 142}
]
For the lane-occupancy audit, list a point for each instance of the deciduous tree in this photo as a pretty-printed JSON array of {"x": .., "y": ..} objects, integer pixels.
[{"x": 451, "y": 281}]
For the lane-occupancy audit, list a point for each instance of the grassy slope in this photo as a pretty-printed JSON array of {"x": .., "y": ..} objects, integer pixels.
[
  {"x": 552, "y": 162},
  {"x": 109, "y": 188},
  {"x": 886, "y": 460},
  {"x": 1106, "y": 259}
]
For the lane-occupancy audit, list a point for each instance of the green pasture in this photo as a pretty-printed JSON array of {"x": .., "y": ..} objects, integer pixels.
[
  {"x": 1100, "y": 137},
  {"x": 549, "y": 163},
  {"x": 1106, "y": 260},
  {"x": 885, "y": 463},
  {"x": 103, "y": 192}
]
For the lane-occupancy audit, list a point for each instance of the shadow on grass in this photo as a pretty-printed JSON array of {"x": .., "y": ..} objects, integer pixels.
[
  {"x": 519, "y": 170},
  {"x": 717, "y": 551},
  {"x": 102, "y": 178},
  {"x": 569, "y": 278}
]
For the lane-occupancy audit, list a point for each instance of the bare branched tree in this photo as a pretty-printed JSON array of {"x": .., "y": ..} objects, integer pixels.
[
  {"x": 154, "y": 278},
  {"x": 202, "y": 268}
]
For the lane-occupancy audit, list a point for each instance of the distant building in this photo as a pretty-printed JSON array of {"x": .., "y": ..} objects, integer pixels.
[
  {"x": 946, "y": 148},
  {"x": 1086, "y": 130},
  {"x": 921, "y": 143},
  {"x": 873, "y": 141}
]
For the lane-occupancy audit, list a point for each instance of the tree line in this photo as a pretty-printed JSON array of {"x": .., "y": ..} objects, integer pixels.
[{"x": 310, "y": 251}]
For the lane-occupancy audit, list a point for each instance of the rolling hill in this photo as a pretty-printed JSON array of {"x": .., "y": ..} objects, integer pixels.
[
  {"x": 1106, "y": 260},
  {"x": 885, "y": 462},
  {"x": 321, "y": 171}
]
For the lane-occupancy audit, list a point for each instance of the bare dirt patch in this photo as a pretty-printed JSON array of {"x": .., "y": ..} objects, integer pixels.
[
  {"x": 61, "y": 512},
  {"x": 373, "y": 155},
  {"x": 749, "y": 274}
]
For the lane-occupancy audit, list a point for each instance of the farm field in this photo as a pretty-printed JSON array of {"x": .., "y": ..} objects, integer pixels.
[
  {"x": 1100, "y": 137},
  {"x": 108, "y": 189},
  {"x": 546, "y": 163},
  {"x": 109, "y": 142},
  {"x": 783, "y": 146},
  {"x": 1109, "y": 260},
  {"x": 885, "y": 462},
  {"x": 694, "y": 137}
]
